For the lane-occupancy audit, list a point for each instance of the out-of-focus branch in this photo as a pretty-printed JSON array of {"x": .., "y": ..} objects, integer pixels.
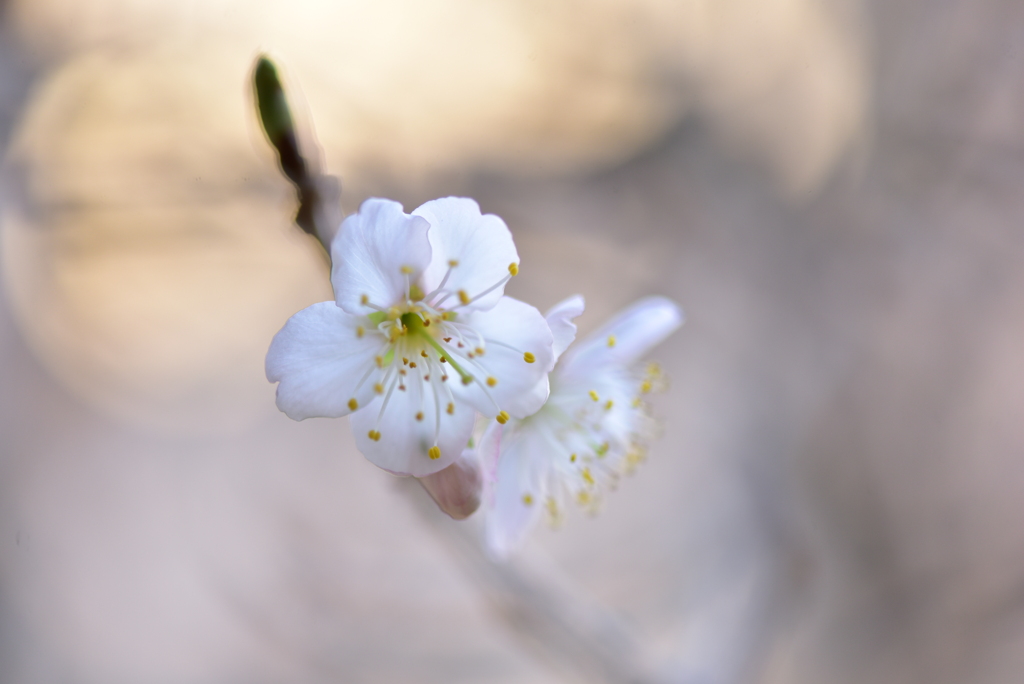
[
  {"x": 574, "y": 634},
  {"x": 319, "y": 211}
]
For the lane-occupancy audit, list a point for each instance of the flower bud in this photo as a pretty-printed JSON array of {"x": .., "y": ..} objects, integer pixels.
[{"x": 457, "y": 489}]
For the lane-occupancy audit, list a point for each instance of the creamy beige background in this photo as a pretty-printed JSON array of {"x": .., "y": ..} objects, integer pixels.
[{"x": 830, "y": 190}]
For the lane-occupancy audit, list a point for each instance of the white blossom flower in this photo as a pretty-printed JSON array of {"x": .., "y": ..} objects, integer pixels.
[
  {"x": 419, "y": 336},
  {"x": 593, "y": 427}
]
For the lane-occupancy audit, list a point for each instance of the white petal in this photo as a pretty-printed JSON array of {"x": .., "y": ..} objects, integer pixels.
[
  {"x": 481, "y": 244},
  {"x": 319, "y": 358},
  {"x": 509, "y": 329},
  {"x": 560, "y": 319},
  {"x": 370, "y": 252},
  {"x": 522, "y": 472},
  {"x": 535, "y": 396},
  {"x": 624, "y": 339},
  {"x": 404, "y": 441},
  {"x": 488, "y": 448}
]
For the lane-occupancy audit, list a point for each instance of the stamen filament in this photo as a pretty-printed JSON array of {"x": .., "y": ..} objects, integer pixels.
[
  {"x": 448, "y": 355},
  {"x": 489, "y": 290},
  {"x": 437, "y": 413},
  {"x": 440, "y": 285},
  {"x": 387, "y": 398}
]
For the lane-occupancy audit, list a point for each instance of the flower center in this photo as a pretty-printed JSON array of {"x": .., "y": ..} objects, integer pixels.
[{"x": 425, "y": 341}]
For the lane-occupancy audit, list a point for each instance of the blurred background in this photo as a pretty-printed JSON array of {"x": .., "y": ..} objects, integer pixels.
[{"x": 832, "y": 189}]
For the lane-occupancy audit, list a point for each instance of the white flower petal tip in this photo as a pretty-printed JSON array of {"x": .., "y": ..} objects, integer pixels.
[
  {"x": 624, "y": 339},
  {"x": 474, "y": 255},
  {"x": 317, "y": 357},
  {"x": 375, "y": 254},
  {"x": 593, "y": 429},
  {"x": 457, "y": 489},
  {"x": 560, "y": 319},
  {"x": 419, "y": 338}
]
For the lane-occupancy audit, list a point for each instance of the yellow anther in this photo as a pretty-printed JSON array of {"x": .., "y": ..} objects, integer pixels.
[
  {"x": 412, "y": 364},
  {"x": 583, "y": 498},
  {"x": 529, "y": 358},
  {"x": 360, "y": 331},
  {"x": 636, "y": 402},
  {"x": 552, "y": 507},
  {"x": 593, "y": 395},
  {"x": 479, "y": 351},
  {"x": 407, "y": 270},
  {"x": 601, "y": 450},
  {"x": 401, "y": 371},
  {"x": 374, "y": 435},
  {"x": 395, "y": 333},
  {"x": 502, "y": 417},
  {"x": 423, "y": 353},
  {"x": 353, "y": 404},
  {"x": 587, "y": 477},
  {"x": 452, "y": 263},
  {"x": 611, "y": 340},
  {"x": 364, "y": 300},
  {"x": 572, "y": 459},
  {"x": 645, "y": 386},
  {"x": 426, "y": 322},
  {"x": 513, "y": 268},
  {"x": 394, "y": 313},
  {"x": 451, "y": 408},
  {"x": 467, "y": 379},
  {"x": 528, "y": 499},
  {"x": 492, "y": 381},
  {"x": 608, "y": 405},
  {"x": 419, "y": 415},
  {"x": 380, "y": 361},
  {"x": 405, "y": 361},
  {"x": 448, "y": 316},
  {"x": 378, "y": 388},
  {"x": 415, "y": 293},
  {"x": 444, "y": 359},
  {"x": 434, "y": 452},
  {"x": 464, "y": 297}
]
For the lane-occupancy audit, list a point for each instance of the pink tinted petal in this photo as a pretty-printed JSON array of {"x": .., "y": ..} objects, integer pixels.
[
  {"x": 370, "y": 251},
  {"x": 509, "y": 329},
  {"x": 560, "y": 319},
  {"x": 522, "y": 472},
  {"x": 481, "y": 244},
  {"x": 624, "y": 339},
  {"x": 319, "y": 358},
  {"x": 405, "y": 442}
]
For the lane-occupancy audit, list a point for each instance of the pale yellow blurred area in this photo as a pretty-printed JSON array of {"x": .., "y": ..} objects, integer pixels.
[
  {"x": 153, "y": 256},
  {"x": 149, "y": 258},
  {"x": 529, "y": 87}
]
